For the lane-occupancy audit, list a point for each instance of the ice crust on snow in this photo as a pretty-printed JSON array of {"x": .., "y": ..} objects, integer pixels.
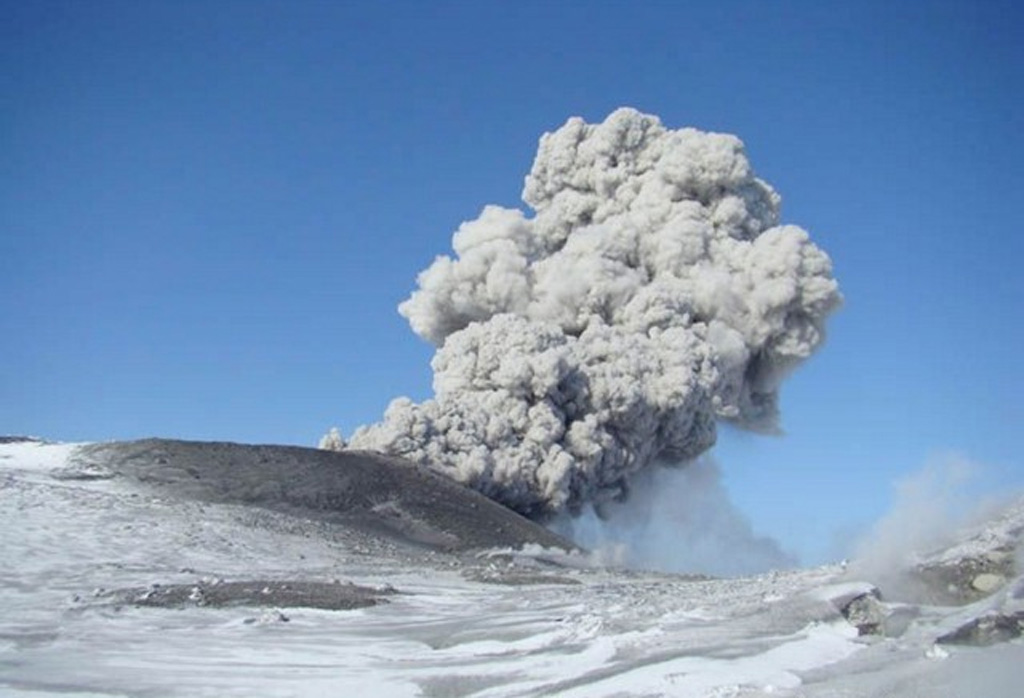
[{"x": 653, "y": 293}]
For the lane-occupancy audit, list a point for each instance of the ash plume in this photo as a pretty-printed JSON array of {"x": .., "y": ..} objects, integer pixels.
[{"x": 652, "y": 293}]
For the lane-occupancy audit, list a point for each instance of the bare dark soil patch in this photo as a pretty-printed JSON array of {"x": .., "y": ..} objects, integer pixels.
[{"x": 333, "y": 596}]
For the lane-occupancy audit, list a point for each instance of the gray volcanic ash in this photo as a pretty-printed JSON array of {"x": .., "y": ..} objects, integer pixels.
[{"x": 653, "y": 293}]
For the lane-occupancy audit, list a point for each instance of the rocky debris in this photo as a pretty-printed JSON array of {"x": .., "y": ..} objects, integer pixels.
[
  {"x": 859, "y": 603},
  {"x": 986, "y": 583},
  {"x": 866, "y": 613},
  {"x": 963, "y": 580},
  {"x": 986, "y": 630},
  {"x": 863, "y": 607},
  {"x": 989, "y": 622},
  {"x": 332, "y": 596}
]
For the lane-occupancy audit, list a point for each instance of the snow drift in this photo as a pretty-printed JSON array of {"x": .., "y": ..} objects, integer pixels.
[{"x": 653, "y": 293}]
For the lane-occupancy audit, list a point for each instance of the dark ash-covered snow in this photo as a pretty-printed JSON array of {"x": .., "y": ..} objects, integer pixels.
[{"x": 374, "y": 494}]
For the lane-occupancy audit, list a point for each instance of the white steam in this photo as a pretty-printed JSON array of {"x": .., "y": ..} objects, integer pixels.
[
  {"x": 677, "y": 520},
  {"x": 653, "y": 293},
  {"x": 929, "y": 507},
  {"x": 933, "y": 508}
]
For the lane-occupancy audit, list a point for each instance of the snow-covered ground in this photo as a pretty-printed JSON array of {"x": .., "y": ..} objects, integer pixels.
[{"x": 82, "y": 550}]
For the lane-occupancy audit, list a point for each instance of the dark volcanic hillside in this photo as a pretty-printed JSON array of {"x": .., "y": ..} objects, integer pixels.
[{"x": 366, "y": 491}]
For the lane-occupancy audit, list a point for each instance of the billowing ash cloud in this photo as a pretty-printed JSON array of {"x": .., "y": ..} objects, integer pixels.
[{"x": 653, "y": 293}]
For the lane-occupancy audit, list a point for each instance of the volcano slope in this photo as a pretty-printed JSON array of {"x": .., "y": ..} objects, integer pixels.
[{"x": 366, "y": 492}]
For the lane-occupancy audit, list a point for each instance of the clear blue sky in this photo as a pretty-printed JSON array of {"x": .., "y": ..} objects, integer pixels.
[{"x": 209, "y": 210}]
